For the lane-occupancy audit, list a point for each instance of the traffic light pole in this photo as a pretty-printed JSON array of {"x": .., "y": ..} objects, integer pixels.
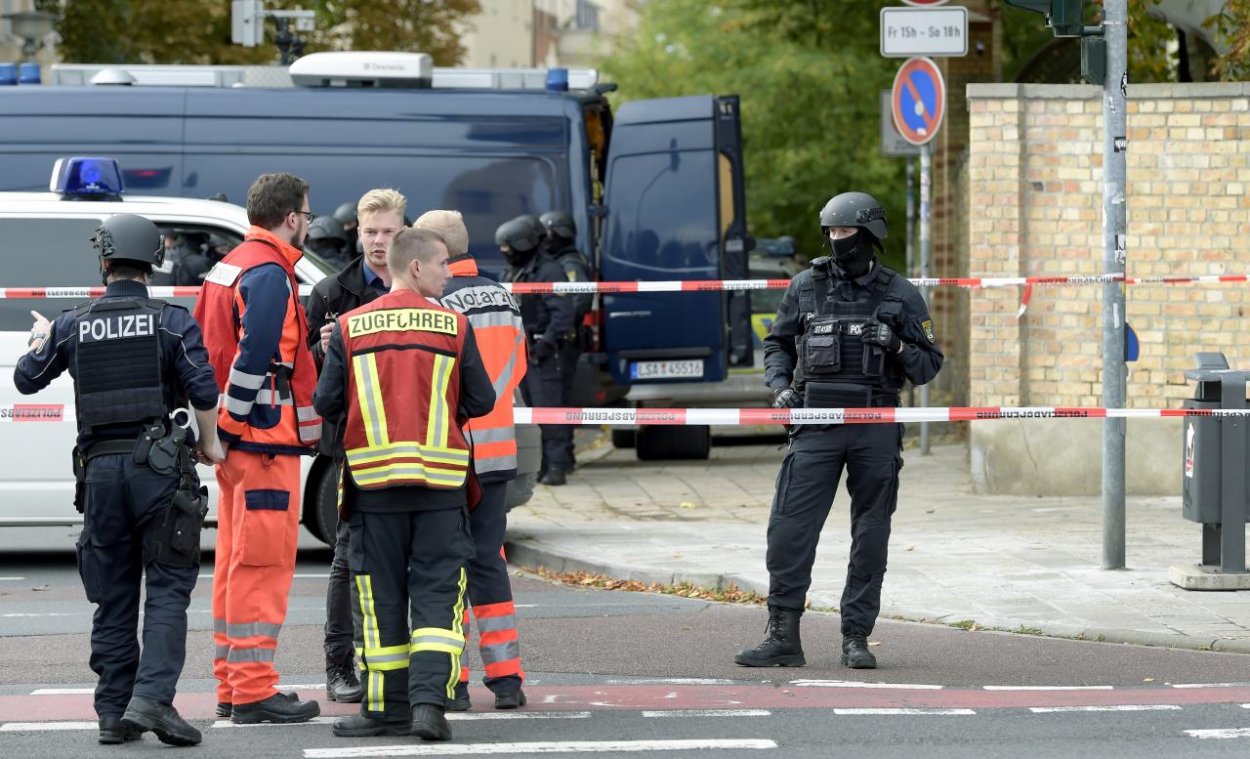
[{"x": 1115, "y": 256}]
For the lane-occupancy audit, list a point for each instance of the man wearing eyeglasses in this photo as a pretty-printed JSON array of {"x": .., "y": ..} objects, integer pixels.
[{"x": 257, "y": 339}]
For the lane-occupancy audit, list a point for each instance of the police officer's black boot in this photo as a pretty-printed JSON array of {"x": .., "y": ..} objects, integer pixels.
[
  {"x": 113, "y": 732},
  {"x": 782, "y": 647},
  {"x": 143, "y": 714},
  {"x": 855, "y": 653}
]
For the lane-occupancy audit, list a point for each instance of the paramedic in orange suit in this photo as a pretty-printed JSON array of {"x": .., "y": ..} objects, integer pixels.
[{"x": 257, "y": 340}]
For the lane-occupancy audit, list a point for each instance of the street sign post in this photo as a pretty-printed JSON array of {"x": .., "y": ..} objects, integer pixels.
[
  {"x": 918, "y": 100},
  {"x": 892, "y": 143},
  {"x": 924, "y": 31}
]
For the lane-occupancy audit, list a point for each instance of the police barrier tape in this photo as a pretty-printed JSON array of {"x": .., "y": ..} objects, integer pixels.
[
  {"x": 730, "y": 417},
  {"x": 694, "y": 285}
]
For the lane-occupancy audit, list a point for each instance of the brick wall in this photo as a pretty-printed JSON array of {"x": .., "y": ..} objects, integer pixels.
[{"x": 1034, "y": 194}]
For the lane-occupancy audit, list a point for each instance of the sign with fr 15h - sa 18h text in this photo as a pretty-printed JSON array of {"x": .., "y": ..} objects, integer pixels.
[{"x": 939, "y": 32}]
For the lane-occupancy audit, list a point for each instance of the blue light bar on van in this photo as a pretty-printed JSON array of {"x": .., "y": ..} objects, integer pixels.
[
  {"x": 8, "y": 73},
  {"x": 86, "y": 177},
  {"x": 28, "y": 73},
  {"x": 558, "y": 80}
]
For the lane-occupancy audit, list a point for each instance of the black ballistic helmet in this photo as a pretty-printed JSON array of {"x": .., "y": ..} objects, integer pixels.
[
  {"x": 559, "y": 223},
  {"x": 126, "y": 237},
  {"x": 344, "y": 214},
  {"x": 327, "y": 228},
  {"x": 855, "y": 209},
  {"x": 522, "y": 234}
]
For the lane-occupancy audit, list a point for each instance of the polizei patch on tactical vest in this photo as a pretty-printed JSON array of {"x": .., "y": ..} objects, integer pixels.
[
  {"x": 116, "y": 327},
  {"x": 927, "y": 326},
  {"x": 401, "y": 320}
]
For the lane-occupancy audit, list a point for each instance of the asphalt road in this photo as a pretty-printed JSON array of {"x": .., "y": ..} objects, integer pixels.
[{"x": 613, "y": 673}]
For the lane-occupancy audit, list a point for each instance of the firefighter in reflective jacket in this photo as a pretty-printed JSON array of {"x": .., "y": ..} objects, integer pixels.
[
  {"x": 847, "y": 333},
  {"x": 257, "y": 340},
  {"x": 496, "y": 321},
  {"x": 406, "y": 374},
  {"x": 133, "y": 360}
]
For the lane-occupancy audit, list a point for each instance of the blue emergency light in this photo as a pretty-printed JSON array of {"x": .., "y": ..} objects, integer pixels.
[
  {"x": 86, "y": 177},
  {"x": 8, "y": 73},
  {"x": 558, "y": 79}
]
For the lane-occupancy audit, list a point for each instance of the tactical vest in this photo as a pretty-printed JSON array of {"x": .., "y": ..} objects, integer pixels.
[
  {"x": 117, "y": 358},
  {"x": 836, "y": 368}
]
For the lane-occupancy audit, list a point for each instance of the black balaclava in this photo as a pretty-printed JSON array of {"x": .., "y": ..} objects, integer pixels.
[{"x": 853, "y": 254}]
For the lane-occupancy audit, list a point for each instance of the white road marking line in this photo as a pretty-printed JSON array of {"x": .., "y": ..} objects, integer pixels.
[
  {"x": 302, "y": 686},
  {"x": 61, "y": 691},
  {"x": 42, "y": 727},
  {"x": 1210, "y": 685},
  {"x": 33, "y": 615},
  {"x": 855, "y": 684},
  {"x": 11, "y": 579},
  {"x": 221, "y": 723},
  {"x": 1048, "y": 687},
  {"x": 891, "y": 711},
  {"x": 709, "y": 713},
  {"x": 451, "y": 717},
  {"x": 540, "y": 747},
  {"x": 1232, "y": 732},
  {"x": 1245, "y": 706},
  {"x": 1108, "y": 708}
]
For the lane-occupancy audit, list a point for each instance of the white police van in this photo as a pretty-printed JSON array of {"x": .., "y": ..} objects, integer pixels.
[{"x": 45, "y": 242}]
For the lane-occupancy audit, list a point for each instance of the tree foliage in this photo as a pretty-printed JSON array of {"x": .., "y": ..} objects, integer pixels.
[
  {"x": 1233, "y": 27},
  {"x": 809, "y": 97},
  {"x": 198, "y": 31}
]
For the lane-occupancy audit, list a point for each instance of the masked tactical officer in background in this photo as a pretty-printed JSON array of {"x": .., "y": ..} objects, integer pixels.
[
  {"x": 133, "y": 360},
  {"x": 561, "y": 246},
  {"x": 404, "y": 374},
  {"x": 847, "y": 334},
  {"x": 550, "y": 322}
]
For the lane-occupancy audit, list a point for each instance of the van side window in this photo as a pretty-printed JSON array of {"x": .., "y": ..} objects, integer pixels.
[{"x": 45, "y": 252}]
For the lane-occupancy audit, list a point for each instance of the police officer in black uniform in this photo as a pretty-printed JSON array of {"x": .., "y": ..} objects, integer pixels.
[
  {"x": 848, "y": 332},
  {"x": 327, "y": 240},
  {"x": 561, "y": 245},
  {"x": 133, "y": 360},
  {"x": 550, "y": 322}
]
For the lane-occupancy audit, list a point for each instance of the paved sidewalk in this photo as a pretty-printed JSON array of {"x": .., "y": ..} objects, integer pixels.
[{"x": 1009, "y": 562}]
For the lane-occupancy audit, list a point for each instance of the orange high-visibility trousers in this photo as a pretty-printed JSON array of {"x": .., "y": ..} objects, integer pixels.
[{"x": 258, "y": 511}]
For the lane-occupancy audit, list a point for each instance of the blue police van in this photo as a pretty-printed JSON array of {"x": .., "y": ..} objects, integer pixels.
[{"x": 655, "y": 186}]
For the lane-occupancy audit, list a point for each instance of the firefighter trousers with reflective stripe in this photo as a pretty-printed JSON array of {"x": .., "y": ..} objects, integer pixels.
[
  {"x": 806, "y": 483},
  {"x": 490, "y": 593},
  {"x": 121, "y": 497},
  {"x": 408, "y": 589},
  {"x": 258, "y": 511}
]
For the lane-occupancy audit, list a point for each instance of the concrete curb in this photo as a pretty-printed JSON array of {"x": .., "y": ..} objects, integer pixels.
[{"x": 529, "y": 554}]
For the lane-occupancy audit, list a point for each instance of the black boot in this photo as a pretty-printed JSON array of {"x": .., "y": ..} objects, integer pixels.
[
  {"x": 279, "y": 708},
  {"x": 510, "y": 700},
  {"x": 144, "y": 714},
  {"x": 113, "y": 732},
  {"x": 342, "y": 685},
  {"x": 225, "y": 708},
  {"x": 782, "y": 647},
  {"x": 855, "y": 653},
  {"x": 429, "y": 723},
  {"x": 360, "y": 726}
]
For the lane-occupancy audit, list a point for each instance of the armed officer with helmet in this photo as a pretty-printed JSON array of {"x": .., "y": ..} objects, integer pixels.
[
  {"x": 134, "y": 361},
  {"x": 848, "y": 332},
  {"x": 551, "y": 321}
]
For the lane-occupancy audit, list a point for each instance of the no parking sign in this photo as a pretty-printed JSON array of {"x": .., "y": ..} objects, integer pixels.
[{"x": 918, "y": 100}]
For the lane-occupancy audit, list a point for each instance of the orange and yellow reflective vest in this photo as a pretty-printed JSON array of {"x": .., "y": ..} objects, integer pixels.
[{"x": 402, "y": 354}]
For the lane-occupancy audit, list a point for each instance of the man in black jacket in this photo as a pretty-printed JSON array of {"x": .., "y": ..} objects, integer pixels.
[{"x": 381, "y": 214}]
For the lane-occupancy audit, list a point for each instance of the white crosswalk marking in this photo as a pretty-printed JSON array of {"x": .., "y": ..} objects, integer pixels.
[
  {"x": 451, "y": 717},
  {"x": 40, "y": 727},
  {"x": 709, "y": 713},
  {"x": 1107, "y": 708},
  {"x": 1235, "y": 732},
  {"x": 61, "y": 691},
  {"x": 1048, "y": 687},
  {"x": 541, "y": 747}
]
